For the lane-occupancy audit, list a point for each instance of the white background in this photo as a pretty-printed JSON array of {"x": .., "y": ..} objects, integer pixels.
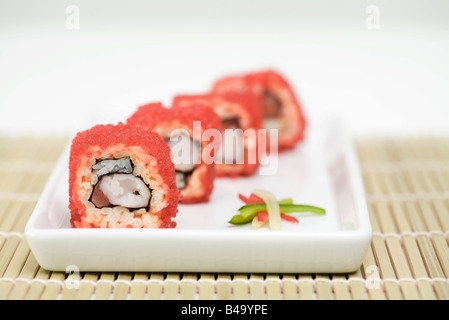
[{"x": 391, "y": 80}]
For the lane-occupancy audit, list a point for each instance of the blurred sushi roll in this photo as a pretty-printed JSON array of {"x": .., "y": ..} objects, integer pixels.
[
  {"x": 278, "y": 104},
  {"x": 183, "y": 129},
  {"x": 121, "y": 176},
  {"x": 240, "y": 118}
]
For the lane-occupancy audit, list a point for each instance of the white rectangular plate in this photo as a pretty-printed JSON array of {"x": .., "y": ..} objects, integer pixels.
[{"x": 323, "y": 171}]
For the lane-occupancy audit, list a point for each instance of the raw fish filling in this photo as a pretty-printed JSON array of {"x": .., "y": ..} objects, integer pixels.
[
  {"x": 232, "y": 146},
  {"x": 117, "y": 186},
  {"x": 230, "y": 123},
  {"x": 271, "y": 107},
  {"x": 182, "y": 179},
  {"x": 186, "y": 155}
]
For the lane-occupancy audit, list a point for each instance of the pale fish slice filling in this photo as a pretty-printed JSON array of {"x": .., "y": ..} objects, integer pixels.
[
  {"x": 186, "y": 155},
  {"x": 123, "y": 190},
  {"x": 271, "y": 106},
  {"x": 232, "y": 149},
  {"x": 115, "y": 185}
]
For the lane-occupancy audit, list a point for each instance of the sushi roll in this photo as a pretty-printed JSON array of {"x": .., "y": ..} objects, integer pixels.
[
  {"x": 121, "y": 176},
  {"x": 241, "y": 119},
  {"x": 278, "y": 104},
  {"x": 183, "y": 130}
]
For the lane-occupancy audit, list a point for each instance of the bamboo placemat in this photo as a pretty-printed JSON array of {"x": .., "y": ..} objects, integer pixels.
[{"x": 407, "y": 187}]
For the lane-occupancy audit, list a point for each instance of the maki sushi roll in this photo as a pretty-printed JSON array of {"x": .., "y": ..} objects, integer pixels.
[
  {"x": 278, "y": 104},
  {"x": 240, "y": 119},
  {"x": 121, "y": 176},
  {"x": 183, "y": 130}
]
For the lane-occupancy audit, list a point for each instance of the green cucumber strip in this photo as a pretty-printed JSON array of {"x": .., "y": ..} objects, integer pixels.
[
  {"x": 290, "y": 208},
  {"x": 239, "y": 219},
  {"x": 286, "y": 201},
  {"x": 251, "y": 209}
]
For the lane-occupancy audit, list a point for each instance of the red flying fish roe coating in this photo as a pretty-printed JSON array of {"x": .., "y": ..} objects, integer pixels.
[
  {"x": 242, "y": 105},
  {"x": 163, "y": 120},
  {"x": 249, "y": 103},
  {"x": 270, "y": 81},
  {"x": 107, "y": 136},
  {"x": 153, "y": 114}
]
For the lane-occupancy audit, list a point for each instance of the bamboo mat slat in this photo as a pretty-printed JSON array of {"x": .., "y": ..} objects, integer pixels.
[{"x": 407, "y": 189}]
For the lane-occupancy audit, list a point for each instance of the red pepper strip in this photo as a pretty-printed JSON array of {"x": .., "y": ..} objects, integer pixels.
[
  {"x": 288, "y": 218},
  {"x": 252, "y": 199},
  {"x": 262, "y": 216},
  {"x": 243, "y": 198},
  {"x": 255, "y": 198}
]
